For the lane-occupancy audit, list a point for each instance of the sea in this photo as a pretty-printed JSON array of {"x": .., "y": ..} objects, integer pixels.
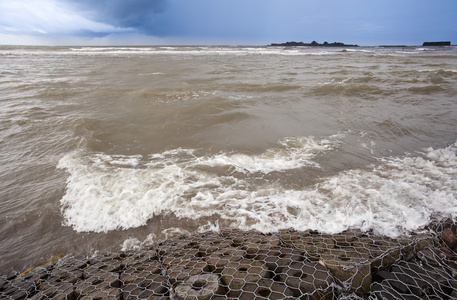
[{"x": 113, "y": 148}]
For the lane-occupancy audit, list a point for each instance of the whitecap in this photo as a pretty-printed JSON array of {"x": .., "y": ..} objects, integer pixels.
[{"x": 395, "y": 196}]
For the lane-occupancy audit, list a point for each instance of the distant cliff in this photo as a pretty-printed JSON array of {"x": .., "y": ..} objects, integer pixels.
[
  {"x": 313, "y": 44},
  {"x": 436, "y": 43}
]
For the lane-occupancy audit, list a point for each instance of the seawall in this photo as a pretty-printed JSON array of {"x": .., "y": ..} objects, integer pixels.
[{"x": 234, "y": 264}]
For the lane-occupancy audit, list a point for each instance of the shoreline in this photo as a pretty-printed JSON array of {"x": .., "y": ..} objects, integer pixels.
[{"x": 247, "y": 264}]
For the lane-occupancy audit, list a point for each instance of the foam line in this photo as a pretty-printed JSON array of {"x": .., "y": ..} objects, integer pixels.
[{"x": 396, "y": 196}]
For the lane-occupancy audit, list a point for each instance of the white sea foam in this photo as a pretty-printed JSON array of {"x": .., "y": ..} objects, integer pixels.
[
  {"x": 196, "y": 51},
  {"x": 393, "y": 197},
  {"x": 294, "y": 153}
]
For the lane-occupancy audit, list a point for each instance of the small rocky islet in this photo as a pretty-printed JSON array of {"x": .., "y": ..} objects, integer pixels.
[
  {"x": 339, "y": 44},
  {"x": 235, "y": 264}
]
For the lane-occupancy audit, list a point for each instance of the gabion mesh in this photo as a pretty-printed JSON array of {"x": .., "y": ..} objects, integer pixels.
[{"x": 234, "y": 264}]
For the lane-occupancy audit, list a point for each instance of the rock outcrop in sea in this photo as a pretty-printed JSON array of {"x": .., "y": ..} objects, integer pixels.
[{"x": 447, "y": 43}]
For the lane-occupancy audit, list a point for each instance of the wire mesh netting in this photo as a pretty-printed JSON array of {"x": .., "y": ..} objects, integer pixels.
[{"x": 234, "y": 264}]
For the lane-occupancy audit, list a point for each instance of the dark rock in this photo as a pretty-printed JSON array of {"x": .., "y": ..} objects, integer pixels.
[
  {"x": 11, "y": 275},
  {"x": 449, "y": 238},
  {"x": 429, "y": 280},
  {"x": 73, "y": 263},
  {"x": 18, "y": 294},
  {"x": 24, "y": 285},
  {"x": 96, "y": 288},
  {"x": 447, "y": 253},
  {"x": 430, "y": 256},
  {"x": 3, "y": 283},
  {"x": 66, "y": 274},
  {"x": 56, "y": 290},
  {"x": 395, "y": 282},
  {"x": 384, "y": 291}
]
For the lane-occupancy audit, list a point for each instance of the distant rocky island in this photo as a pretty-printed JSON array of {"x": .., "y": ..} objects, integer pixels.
[
  {"x": 338, "y": 44},
  {"x": 313, "y": 44},
  {"x": 447, "y": 43}
]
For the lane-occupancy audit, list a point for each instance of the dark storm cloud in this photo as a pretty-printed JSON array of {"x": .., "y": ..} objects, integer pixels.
[
  {"x": 226, "y": 21},
  {"x": 135, "y": 14}
]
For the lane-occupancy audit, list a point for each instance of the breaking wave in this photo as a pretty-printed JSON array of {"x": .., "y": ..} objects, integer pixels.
[{"x": 109, "y": 192}]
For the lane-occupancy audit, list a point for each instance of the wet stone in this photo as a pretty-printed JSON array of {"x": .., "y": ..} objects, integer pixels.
[
  {"x": 70, "y": 275},
  {"x": 176, "y": 246},
  {"x": 384, "y": 291},
  {"x": 142, "y": 285},
  {"x": 139, "y": 258},
  {"x": 287, "y": 236},
  {"x": 260, "y": 244},
  {"x": 203, "y": 286},
  {"x": 103, "y": 294},
  {"x": 354, "y": 273},
  {"x": 20, "y": 285},
  {"x": 449, "y": 238},
  {"x": 345, "y": 239},
  {"x": 431, "y": 256},
  {"x": 266, "y": 289},
  {"x": 422, "y": 243},
  {"x": 236, "y": 274},
  {"x": 219, "y": 259},
  {"x": 94, "y": 288},
  {"x": 174, "y": 258},
  {"x": 397, "y": 281},
  {"x": 386, "y": 259},
  {"x": 313, "y": 246},
  {"x": 37, "y": 274},
  {"x": 208, "y": 247},
  {"x": 57, "y": 289},
  {"x": 3, "y": 283},
  {"x": 306, "y": 278},
  {"x": 184, "y": 269},
  {"x": 17, "y": 294},
  {"x": 151, "y": 267},
  {"x": 11, "y": 275},
  {"x": 106, "y": 258},
  {"x": 72, "y": 263},
  {"x": 278, "y": 259},
  {"x": 426, "y": 278},
  {"x": 249, "y": 265},
  {"x": 109, "y": 266}
]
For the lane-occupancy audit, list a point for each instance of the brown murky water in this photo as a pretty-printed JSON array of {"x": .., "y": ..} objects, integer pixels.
[{"x": 108, "y": 148}]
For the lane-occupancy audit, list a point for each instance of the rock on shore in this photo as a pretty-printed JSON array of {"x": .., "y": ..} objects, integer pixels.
[{"x": 250, "y": 265}]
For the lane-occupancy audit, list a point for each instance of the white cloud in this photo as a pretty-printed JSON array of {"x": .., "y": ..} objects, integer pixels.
[
  {"x": 47, "y": 17},
  {"x": 120, "y": 39}
]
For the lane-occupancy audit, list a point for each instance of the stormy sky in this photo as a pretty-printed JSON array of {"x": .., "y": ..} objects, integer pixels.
[{"x": 245, "y": 22}]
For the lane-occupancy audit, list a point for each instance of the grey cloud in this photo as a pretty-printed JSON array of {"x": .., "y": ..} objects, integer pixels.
[{"x": 137, "y": 14}]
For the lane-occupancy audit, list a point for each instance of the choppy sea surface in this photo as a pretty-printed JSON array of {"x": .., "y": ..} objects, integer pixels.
[{"x": 103, "y": 149}]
